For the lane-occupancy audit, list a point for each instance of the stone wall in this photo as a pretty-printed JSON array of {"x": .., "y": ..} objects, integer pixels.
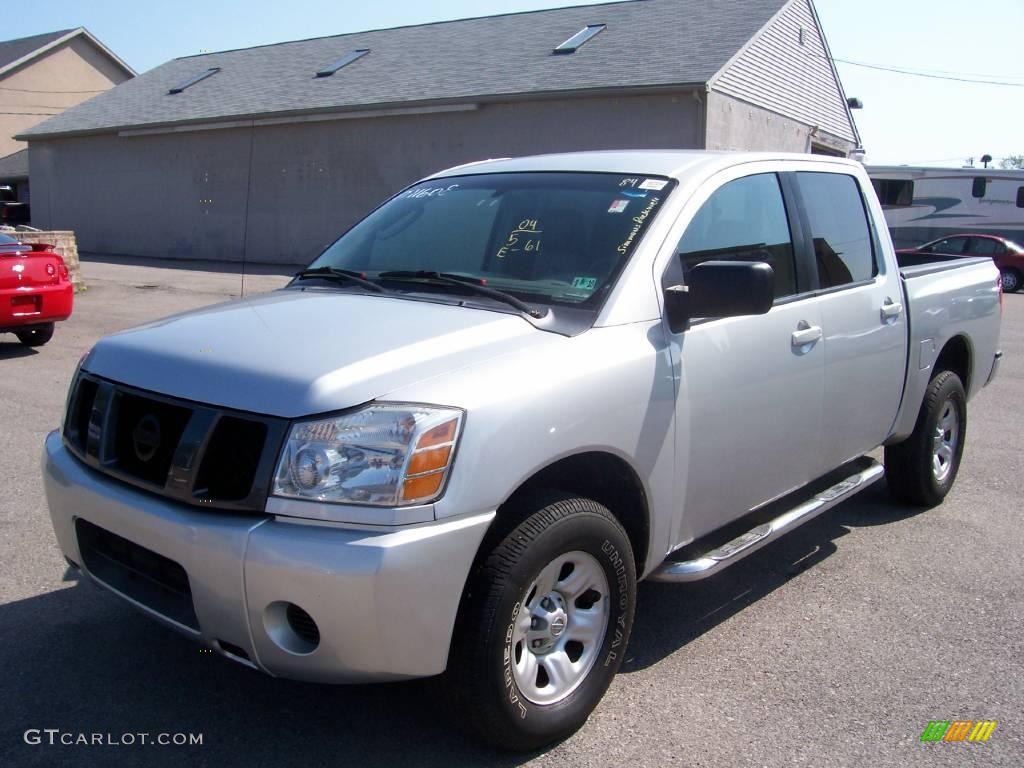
[{"x": 64, "y": 243}]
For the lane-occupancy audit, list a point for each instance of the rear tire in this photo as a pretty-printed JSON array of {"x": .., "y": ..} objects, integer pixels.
[
  {"x": 1011, "y": 279},
  {"x": 36, "y": 337},
  {"x": 544, "y": 625},
  {"x": 922, "y": 469}
]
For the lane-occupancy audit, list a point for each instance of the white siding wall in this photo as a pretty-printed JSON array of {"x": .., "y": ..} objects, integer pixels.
[{"x": 779, "y": 73}]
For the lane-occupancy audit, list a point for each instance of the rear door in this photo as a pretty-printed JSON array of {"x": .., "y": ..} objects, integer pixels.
[
  {"x": 749, "y": 401},
  {"x": 862, "y": 316}
]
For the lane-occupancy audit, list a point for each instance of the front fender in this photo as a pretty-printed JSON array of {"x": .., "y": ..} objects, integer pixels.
[{"x": 607, "y": 390}]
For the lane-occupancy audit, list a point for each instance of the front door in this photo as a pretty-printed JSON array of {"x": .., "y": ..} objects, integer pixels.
[{"x": 749, "y": 401}]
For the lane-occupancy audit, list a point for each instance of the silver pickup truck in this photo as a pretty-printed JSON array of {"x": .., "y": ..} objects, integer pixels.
[{"x": 456, "y": 442}]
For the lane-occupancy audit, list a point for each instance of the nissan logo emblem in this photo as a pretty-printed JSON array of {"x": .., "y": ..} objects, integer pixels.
[
  {"x": 146, "y": 437},
  {"x": 557, "y": 626}
]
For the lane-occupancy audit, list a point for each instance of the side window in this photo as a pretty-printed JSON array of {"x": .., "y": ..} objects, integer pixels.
[
  {"x": 949, "y": 245},
  {"x": 982, "y": 246},
  {"x": 978, "y": 186},
  {"x": 1020, "y": 197},
  {"x": 743, "y": 220},
  {"x": 839, "y": 228},
  {"x": 894, "y": 193}
]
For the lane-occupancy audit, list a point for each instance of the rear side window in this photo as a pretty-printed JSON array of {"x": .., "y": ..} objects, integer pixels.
[
  {"x": 1020, "y": 197},
  {"x": 743, "y": 220},
  {"x": 894, "y": 193},
  {"x": 839, "y": 228},
  {"x": 982, "y": 246},
  {"x": 978, "y": 186}
]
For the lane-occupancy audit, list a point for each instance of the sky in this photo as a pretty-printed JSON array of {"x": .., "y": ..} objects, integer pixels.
[{"x": 905, "y": 120}]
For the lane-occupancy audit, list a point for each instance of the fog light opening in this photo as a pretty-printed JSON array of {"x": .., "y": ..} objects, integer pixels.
[{"x": 291, "y": 627}]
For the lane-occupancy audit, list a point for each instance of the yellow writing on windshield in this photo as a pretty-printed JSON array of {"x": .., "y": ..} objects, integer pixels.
[
  {"x": 525, "y": 237},
  {"x": 638, "y": 222}
]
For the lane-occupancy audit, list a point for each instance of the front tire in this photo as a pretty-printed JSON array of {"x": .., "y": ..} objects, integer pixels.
[
  {"x": 921, "y": 470},
  {"x": 36, "y": 337},
  {"x": 545, "y": 624}
]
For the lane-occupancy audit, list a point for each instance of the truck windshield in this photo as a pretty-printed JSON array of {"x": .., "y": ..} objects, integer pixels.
[{"x": 558, "y": 238}]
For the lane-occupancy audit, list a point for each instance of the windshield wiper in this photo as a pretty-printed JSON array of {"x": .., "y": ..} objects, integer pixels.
[
  {"x": 475, "y": 284},
  {"x": 342, "y": 276}
]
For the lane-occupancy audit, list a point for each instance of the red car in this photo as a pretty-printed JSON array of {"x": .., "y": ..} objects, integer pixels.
[
  {"x": 35, "y": 290},
  {"x": 1007, "y": 255}
]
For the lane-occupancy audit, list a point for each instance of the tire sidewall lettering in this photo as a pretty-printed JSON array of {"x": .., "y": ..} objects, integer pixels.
[
  {"x": 619, "y": 569},
  {"x": 506, "y": 658},
  {"x": 621, "y": 581}
]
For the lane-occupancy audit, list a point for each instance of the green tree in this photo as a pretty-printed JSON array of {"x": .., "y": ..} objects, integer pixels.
[{"x": 1012, "y": 161}]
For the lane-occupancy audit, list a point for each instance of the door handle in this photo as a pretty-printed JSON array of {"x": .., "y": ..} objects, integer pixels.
[
  {"x": 891, "y": 309},
  {"x": 808, "y": 334}
]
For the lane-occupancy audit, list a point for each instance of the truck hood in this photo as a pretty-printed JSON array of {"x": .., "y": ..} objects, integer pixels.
[{"x": 295, "y": 353}]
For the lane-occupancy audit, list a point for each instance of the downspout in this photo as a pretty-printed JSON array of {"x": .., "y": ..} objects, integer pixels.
[
  {"x": 702, "y": 116},
  {"x": 811, "y": 134}
]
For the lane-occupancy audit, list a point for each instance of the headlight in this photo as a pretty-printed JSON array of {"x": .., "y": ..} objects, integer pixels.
[{"x": 385, "y": 455}]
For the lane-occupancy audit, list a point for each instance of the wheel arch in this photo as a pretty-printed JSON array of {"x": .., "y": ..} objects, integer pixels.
[
  {"x": 599, "y": 475},
  {"x": 956, "y": 356}
]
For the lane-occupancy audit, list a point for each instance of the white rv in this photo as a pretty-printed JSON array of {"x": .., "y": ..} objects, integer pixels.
[{"x": 923, "y": 204}]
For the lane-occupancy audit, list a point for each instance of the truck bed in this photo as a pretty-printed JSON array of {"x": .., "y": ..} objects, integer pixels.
[
  {"x": 946, "y": 297},
  {"x": 919, "y": 264}
]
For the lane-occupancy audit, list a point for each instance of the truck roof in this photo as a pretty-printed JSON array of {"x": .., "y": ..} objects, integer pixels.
[{"x": 673, "y": 163}]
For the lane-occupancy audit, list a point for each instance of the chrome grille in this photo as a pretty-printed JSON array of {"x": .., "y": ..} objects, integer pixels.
[{"x": 191, "y": 452}]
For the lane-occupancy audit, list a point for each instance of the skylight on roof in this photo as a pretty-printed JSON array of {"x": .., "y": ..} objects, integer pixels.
[
  {"x": 193, "y": 80},
  {"x": 345, "y": 60},
  {"x": 574, "y": 42}
]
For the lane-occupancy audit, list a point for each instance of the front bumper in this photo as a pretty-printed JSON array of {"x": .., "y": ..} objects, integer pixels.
[{"x": 384, "y": 600}]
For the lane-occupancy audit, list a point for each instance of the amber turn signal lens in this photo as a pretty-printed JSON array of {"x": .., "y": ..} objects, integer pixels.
[
  {"x": 425, "y": 461},
  {"x": 439, "y": 435},
  {"x": 422, "y": 487}
]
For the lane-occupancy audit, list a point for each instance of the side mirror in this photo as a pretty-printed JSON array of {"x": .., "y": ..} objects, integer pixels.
[{"x": 721, "y": 289}]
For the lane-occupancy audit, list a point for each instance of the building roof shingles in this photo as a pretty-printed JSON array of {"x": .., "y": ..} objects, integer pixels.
[
  {"x": 12, "y": 50},
  {"x": 646, "y": 43},
  {"x": 14, "y": 166}
]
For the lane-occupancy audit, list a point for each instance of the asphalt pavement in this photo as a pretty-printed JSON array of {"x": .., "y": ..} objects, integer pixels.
[{"x": 833, "y": 647}]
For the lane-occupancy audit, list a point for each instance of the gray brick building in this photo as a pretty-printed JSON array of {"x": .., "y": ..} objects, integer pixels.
[{"x": 264, "y": 157}]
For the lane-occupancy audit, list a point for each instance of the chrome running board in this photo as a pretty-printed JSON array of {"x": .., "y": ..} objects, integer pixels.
[{"x": 732, "y": 551}]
